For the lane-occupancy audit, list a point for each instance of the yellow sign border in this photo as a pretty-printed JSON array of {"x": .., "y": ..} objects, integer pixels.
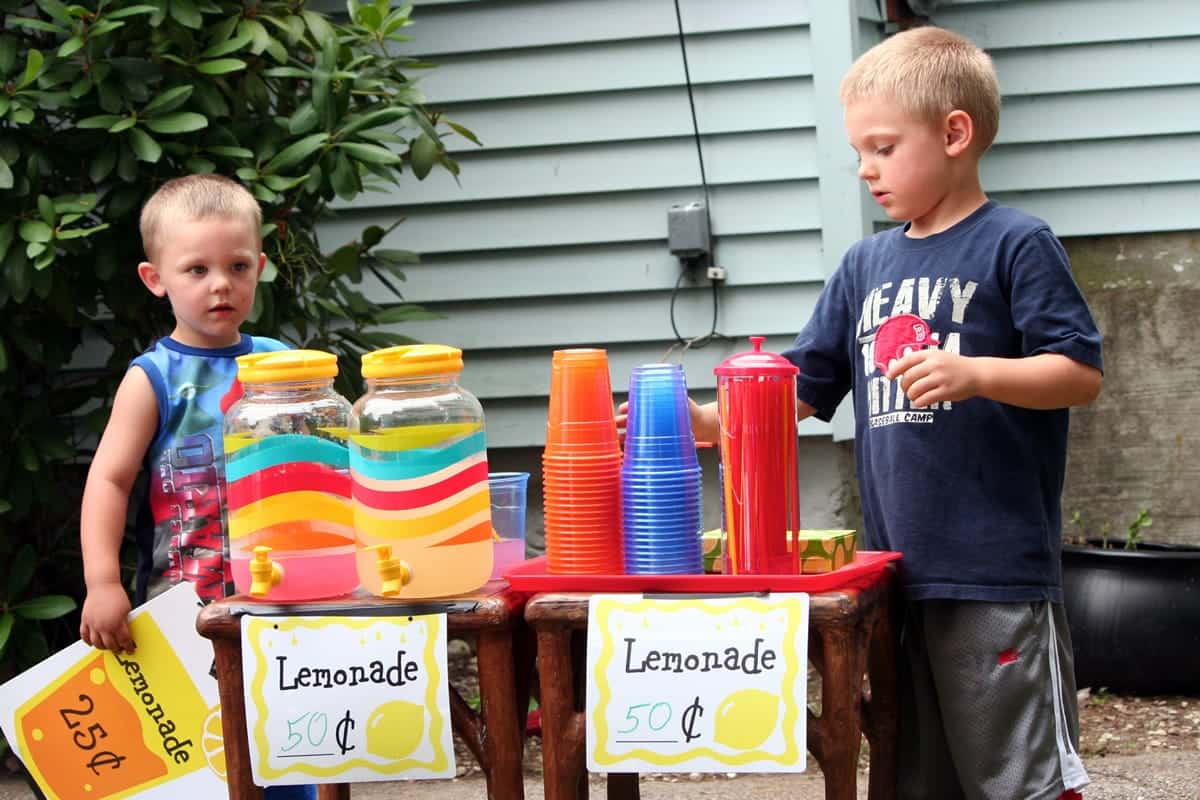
[
  {"x": 796, "y": 617},
  {"x": 438, "y": 763},
  {"x": 143, "y": 628}
]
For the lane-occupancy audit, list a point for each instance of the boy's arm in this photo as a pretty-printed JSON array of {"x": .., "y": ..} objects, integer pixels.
[
  {"x": 1039, "y": 381},
  {"x": 1060, "y": 365},
  {"x": 110, "y": 480}
]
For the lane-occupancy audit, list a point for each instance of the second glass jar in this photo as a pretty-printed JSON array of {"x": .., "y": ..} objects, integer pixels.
[{"x": 418, "y": 460}]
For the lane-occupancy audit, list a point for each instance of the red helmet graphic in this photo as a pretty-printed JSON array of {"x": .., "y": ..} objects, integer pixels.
[{"x": 900, "y": 335}]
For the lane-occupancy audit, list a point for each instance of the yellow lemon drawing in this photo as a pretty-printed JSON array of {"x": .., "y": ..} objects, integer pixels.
[
  {"x": 746, "y": 718},
  {"x": 395, "y": 729},
  {"x": 212, "y": 741}
]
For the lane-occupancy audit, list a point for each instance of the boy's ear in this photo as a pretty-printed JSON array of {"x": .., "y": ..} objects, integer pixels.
[
  {"x": 958, "y": 133},
  {"x": 262, "y": 262},
  {"x": 149, "y": 275}
]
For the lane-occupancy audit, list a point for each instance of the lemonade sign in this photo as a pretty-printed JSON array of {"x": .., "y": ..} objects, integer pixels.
[
  {"x": 94, "y": 724},
  {"x": 697, "y": 685},
  {"x": 347, "y": 699}
]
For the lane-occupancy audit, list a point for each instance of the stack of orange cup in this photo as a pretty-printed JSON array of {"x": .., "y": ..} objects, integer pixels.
[{"x": 581, "y": 467}]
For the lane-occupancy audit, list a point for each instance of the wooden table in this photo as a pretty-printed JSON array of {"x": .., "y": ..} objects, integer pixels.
[
  {"x": 851, "y": 634},
  {"x": 495, "y": 735}
]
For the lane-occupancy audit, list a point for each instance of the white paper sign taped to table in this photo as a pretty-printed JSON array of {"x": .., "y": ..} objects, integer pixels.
[
  {"x": 347, "y": 699},
  {"x": 697, "y": 685}
]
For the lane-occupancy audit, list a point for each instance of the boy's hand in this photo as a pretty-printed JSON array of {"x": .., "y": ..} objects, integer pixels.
[
  {"x": 104, "y": 622},
  {"x": 705, "y": 426},
  {"x": 931, "y": 376}
]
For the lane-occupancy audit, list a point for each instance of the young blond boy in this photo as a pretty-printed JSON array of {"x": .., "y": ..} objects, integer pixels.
[
  {"x": 960, "y": 449},
  {"x": 201, "y": 235},
  {"x": 203, "y": 244}
]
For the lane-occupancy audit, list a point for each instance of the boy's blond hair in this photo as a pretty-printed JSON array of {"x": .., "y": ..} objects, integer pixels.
[
  {"x": 930, "y": 72},
  {"x": 196, "y": 197}
]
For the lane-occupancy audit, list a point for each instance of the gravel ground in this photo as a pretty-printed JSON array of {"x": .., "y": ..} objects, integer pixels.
[{"x": 1161, "y": 775}]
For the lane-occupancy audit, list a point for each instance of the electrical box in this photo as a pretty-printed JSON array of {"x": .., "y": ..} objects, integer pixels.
[{"x": 687, "y": 229}]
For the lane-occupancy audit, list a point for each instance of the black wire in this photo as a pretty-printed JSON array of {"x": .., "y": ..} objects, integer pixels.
[
  {"x": 675, "y": 293},
  {"x": 689, "y": 264},
  {"x": 699, "y": 341},
  {"x": 687, "y": 78}
]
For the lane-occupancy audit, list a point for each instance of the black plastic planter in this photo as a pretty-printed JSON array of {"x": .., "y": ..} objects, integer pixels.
[{"x": 1135, "y": 617}]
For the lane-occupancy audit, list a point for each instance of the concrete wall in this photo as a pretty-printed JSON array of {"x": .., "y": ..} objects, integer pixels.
[{"x": 1138, "y": 446}]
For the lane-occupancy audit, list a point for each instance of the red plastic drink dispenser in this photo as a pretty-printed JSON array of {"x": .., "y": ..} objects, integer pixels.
[{"x": 756, "y": 402}]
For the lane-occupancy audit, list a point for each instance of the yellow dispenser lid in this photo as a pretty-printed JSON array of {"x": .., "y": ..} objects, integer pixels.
[
  {"x": 412, "y": 360},
  {"x": 282, "y": 366}
]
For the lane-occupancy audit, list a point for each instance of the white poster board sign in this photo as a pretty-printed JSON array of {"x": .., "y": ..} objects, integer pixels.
[
  {"x": 93, "y": 724},
  {"x": 697, "y": 685},
  {"x": 347, "y": 699}
]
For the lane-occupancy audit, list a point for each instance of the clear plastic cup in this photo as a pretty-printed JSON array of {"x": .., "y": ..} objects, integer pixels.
[{"x": 508, "y": 499}]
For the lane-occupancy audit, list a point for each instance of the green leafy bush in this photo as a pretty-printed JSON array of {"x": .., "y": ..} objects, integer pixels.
[
  {"x": 101, "y": 102},
  {"x": 21, "y": 611}
]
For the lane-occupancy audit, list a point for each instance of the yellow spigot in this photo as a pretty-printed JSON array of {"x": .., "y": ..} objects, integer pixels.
[
  {"x": 394, "y": 574},
  {"x": 264, "y": 573}
]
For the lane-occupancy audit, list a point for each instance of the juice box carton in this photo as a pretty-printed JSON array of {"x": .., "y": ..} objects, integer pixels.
[{"x": 821, "y": 550}]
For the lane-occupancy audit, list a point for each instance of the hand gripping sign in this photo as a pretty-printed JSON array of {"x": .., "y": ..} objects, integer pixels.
[{"x": 94, "y": 724}]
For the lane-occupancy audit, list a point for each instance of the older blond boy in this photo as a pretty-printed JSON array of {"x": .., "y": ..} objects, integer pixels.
[{"x": 960, "y": 449}]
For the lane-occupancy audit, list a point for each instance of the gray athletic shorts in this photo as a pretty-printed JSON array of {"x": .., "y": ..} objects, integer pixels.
[{"x": 987, "y": 702}]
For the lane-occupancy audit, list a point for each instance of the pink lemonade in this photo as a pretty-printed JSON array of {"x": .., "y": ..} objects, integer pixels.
[
  {"x": 307, "y": 574},
  {"x": 507, "y": 552}
]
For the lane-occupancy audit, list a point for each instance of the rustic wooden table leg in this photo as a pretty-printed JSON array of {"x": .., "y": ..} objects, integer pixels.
[
  {"x": 228, "y": 654},
  {"x": 841, "y": 689},
  {"x": 503, "y": 740},
  {"x": 624, "y": 786},
  {"x": 881, "y": 714},
  {"x": 562, "y": 750},
  {"x": 524, "y": 660}
]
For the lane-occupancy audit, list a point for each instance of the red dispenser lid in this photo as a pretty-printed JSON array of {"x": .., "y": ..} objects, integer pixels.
[{"x": 755, "y": 362}]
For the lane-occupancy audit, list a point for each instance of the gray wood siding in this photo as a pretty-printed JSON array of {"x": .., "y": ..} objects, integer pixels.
[
  {"x": 1100, "y": 129},
  {"x": 555, "y": 234}
]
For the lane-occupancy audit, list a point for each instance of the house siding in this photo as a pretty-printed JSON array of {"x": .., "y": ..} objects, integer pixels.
[
  {"x": 555, "y": 234},
  {"x": 1100, "y": 129}
]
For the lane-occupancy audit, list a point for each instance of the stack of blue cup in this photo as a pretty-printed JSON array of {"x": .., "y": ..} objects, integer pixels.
[{"x": 660, "y": 476}]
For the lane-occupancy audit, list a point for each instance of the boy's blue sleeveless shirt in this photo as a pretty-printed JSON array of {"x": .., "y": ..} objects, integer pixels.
[{"x": 181, "y": 530}]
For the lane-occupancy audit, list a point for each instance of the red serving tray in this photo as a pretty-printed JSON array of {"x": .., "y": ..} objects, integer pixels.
[{"x": 533, "y": 576}]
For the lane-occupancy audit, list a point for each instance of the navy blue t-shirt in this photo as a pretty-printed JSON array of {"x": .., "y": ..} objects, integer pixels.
[{"x": 969, "y": 492}]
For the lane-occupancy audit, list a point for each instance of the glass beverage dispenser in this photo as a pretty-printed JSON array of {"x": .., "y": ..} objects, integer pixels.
[
  {"x": 291, "y": 526},
  {"x": 418, "y": 461}
]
